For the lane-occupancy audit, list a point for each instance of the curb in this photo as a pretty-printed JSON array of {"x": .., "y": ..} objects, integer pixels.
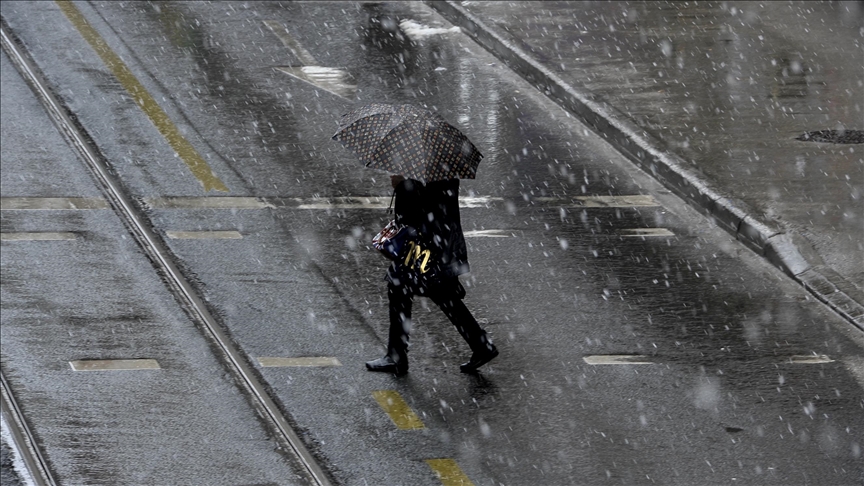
[{"x": 785, "y": 250}]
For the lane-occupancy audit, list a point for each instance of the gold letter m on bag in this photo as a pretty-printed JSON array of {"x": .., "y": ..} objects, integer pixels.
[{"x": 415, "y": 253}]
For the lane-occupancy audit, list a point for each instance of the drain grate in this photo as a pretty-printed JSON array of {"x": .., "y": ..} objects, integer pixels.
[{"x": 833, "y": 136}]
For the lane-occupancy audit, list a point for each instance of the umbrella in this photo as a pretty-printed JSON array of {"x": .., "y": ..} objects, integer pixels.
[{"x": 408, "y": 140}]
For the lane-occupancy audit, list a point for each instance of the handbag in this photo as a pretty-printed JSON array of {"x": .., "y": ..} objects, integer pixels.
[
  {"x": 414, "y": 264},
  {"x": 393, "y": 239}
]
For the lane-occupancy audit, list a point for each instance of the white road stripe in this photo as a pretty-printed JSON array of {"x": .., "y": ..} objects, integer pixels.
[
  {"x": 478, "y": 201},
  {"x": 328, "y": 203},
  {"x": 647, "y": 232},
  {"x": 638, "y": 200},
  {"x": 347, "y": 202},
  {"x": 359, "y": 204},
  {"x": 613, "y": 359},
  {"x": 619, "y": 359},
  {"x": 370, "y": 202},
  {"x": 276, "y": 362},
  {"x": 417, "y": 31},
  {"x": 335, "y": 80},
  {"x": 211, "y": 202},
  {"x": 204, "y": 235},
  {"x": 52, "y": 203},
  {"x": 114, "y": 365},
  {"x": 37, "y": 236},
  {"x": 495, "y": 233},
  {"x": 810, "y": 359}
]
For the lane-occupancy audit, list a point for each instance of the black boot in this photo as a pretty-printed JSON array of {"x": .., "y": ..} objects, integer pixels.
[
  {"x": 388, "y": 364},
  {"x": 480, "y": 357}
]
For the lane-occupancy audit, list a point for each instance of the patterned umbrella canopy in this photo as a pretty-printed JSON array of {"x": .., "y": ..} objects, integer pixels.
[{"x": 407, "y": 140}]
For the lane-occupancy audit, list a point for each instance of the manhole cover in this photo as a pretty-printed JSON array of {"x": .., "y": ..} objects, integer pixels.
[{"x": 833, "y": 136}]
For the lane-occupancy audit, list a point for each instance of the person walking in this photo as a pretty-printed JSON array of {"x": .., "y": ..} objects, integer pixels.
[
  {"x": 426, "y": 157},
  {"x": 433, "y": 210}
]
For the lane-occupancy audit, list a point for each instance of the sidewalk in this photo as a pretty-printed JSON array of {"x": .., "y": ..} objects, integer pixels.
[{"x": 711, "y": 99}]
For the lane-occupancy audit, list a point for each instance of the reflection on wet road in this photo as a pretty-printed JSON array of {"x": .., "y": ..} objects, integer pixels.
[{"x": 731, "y": 87}]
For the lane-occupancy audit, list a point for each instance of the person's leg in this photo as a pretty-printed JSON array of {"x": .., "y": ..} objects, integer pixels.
[
  {"x": 448, "y": 296},
  {"x": 396, "y": 359},
  {"x": 400, "y": 300}
]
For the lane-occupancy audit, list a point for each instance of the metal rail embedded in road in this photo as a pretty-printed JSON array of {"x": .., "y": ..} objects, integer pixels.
[
  {"x": 22, "y": 438},
  {"x": 160, "y": 256}
]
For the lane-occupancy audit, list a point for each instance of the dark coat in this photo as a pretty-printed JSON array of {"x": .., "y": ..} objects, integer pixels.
[{"x": 433, "y": 210}]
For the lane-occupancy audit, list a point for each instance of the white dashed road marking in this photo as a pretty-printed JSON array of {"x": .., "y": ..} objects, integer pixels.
[
  {"x": 630, "y": 359},
  {"x": 494, "y": 233},
  {"x": 325, "y": 203},
  {"x": 114, "y": 365},
  {"x": 276, "y": 362},
  {"x": 215, "y": 202},
  {"x": 52, "y": 203},
  {"x": 639, "y": 200},
  {"x": 37, "y": 236},
  {"x": 646, "y": 232},
  {"x": 335, "y": 80},
  {"x": 204, "y": 235},
  {"x": 810, "y": 359},
  {"x": 613, "y": 359}
]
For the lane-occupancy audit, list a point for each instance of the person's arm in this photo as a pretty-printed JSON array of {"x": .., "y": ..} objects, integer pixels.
[{"x": 444, "y": 206}]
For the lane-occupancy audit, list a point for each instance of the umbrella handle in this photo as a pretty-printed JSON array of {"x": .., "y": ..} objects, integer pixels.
[{"x": 390, "y": 207}]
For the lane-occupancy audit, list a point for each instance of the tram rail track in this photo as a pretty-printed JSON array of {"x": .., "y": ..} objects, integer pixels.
[{"x": 234, "y": 360}]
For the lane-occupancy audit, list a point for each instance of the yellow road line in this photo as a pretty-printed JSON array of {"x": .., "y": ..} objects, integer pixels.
[
  {"x": 449, "y": 472},
  {"x": 399, "y": 411},
  {"x": 160, "y": 119}
]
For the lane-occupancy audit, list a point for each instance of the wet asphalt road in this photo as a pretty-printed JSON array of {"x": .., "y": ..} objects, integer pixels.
[
  {"x": 729, "y": 87},
  {"x": 785, "y": 65},
  {"x": 97, "y": 296},
  {"x": 721, "y": 399}
]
